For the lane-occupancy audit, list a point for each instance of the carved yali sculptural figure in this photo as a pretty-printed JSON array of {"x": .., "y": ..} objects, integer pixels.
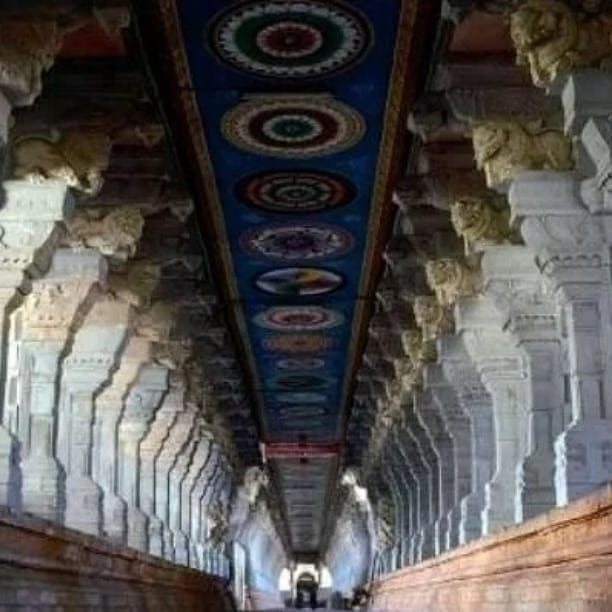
[
  {"x": 481, "y": 220},
  {"x": 505, "y": 148},
  {"x": 27, "y": 49},
  {"x": 550, "y": 37},
  {"x": 115, "y": 234},
  {"x": 419, "y": 351},
  {"x": 450, "y": 280},
  {"x": 75, "y": 158},
  {"x": 431, "y": 317}
]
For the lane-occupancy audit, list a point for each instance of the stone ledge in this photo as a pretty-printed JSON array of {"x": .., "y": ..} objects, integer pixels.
[
  {"x": 563, "y": 558},
  {"x": 42, "y": 561}
]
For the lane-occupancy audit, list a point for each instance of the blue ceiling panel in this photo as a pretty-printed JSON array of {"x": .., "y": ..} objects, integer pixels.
[{"x": 296, "y": 266}]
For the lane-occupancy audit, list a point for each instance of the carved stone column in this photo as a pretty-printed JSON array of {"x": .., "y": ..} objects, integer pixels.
[
  {"x": 174, "y": 445},
  {"x": 573, "y": 252},
  {"x": 457, "y": 425},
  {"x": 94, "y": 353},
  {"x": 50, "y": 314},
  {"x": 150, "y": 450},
  {"x": 178, "y": 472},
  {"x": 429, "y": 414},
  {"x": 503, "y": 373},
  {"x": 140, "y": 406},
  {"x": 198, "y": 507},
  {"x": 28, "y": 222},
  {"x": 108, "y": 408},
  {"x": 196, "y": 471},
  {"x": 419, "y": 452},
  {"x": 460, "y": 371},
  {"x": 528, "y": 309},
  {"x": 410, "y": 484}
]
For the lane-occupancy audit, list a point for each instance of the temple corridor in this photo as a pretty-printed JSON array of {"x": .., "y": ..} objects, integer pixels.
[{"x": 306, "y": 304}]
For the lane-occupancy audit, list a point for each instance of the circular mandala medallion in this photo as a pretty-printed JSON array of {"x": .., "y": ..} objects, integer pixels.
[
  {"x": 302, "y": 397},
  {"x": 298, "y": 343},
  {"x": 291, "y": 40},
  {"x": 299, "y": 318},
  {"x": 298, "y": 281},
  {"x": 293, "y": 126},
  {"x": 300, "y": 363},
  {"x": 295, "y": 382},
  {"x": 295, "y": 191},
  {"x": 293, "y": 242}
]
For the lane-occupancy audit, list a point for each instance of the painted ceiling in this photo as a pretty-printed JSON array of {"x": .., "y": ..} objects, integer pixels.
[{"x": 296, "y": 102}]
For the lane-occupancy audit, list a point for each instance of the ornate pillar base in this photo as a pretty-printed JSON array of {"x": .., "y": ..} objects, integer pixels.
[
  {"x": 441, "y": 528},
  {"x": 10, "y": 472},
  {"x": 470, "y": 526},
  {"x": 535, "y": 493},
  {"x": 156, "y": 537},
  {"x": 42, "y": 488},
  {"x": 115, "y": 512},
  {"x": 137, "y": 529},
  {"x": 498, "y": 511},
  {"x": 427, "y": 546},
  {"x": 83, "y": 504},
  {"x": 452, "y": 532},
  {"x": 181, "y": 548},
  {"x": 583, "y": 459}
]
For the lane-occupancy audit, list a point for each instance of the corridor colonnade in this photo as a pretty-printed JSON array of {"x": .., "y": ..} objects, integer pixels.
[
  {"x": 110, "y": 421},
  {"x": 484, "y": 395}
]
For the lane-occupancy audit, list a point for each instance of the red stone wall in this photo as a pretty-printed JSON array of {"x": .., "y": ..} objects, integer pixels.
[
  {"x": 44, "y": 567},
  {"x": 559, "y": 562}
]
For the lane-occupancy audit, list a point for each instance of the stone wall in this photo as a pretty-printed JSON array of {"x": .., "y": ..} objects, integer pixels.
[
  {"x": 48, "y": 567},
  {"x": 558, "y": 561}
]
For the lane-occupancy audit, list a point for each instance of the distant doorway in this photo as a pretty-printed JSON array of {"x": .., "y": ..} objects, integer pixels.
[{"x": 306, "y": 591}]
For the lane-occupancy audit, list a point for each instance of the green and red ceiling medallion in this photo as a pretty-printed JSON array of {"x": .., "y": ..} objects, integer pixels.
[
  {"x": 295, "y": 191},
  {"x": 289, "y": 39},
  {"x": 299, "y": 318},
  {"x": 293, "y": 126}
]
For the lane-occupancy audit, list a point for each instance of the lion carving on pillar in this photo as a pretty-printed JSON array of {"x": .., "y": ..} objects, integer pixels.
[
  {"x": 550, "y": 37},
  {"x": 433, "y": 318},
  {"x": 75, "y": 158},
  {"x": 505, "y": 148},
  {"x": 450, "y": 280},
  {"x": 480, "y": 221}
]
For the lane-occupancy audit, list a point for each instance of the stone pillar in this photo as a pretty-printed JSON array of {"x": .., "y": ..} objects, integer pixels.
[
  {"x": 528, "y": 309},
  {"x": 29, "y": 220},
  {"x": 140, "y": 406},
  {"x": 428, "y": 412},
  {"x": 198, "y": 514},
  {"x": 50, "y": 314},
  {"x": 150, "y": 450},
  {"x": 572, "y": 252},
  {"x": 419, "y": 453},
  {"x": 476, "y": 402},
  {"x": 174, "y": 445},
  {"x": 108, "y": 408},
  {"x": 503, "y": 373},
  {"x": 410, "y": 486},
  {"x": 180, "y": 538},
  {"x": 94, "y": 354},
  {"x": 196, "y": 471},
  {"x": 458, "y": 426}
]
